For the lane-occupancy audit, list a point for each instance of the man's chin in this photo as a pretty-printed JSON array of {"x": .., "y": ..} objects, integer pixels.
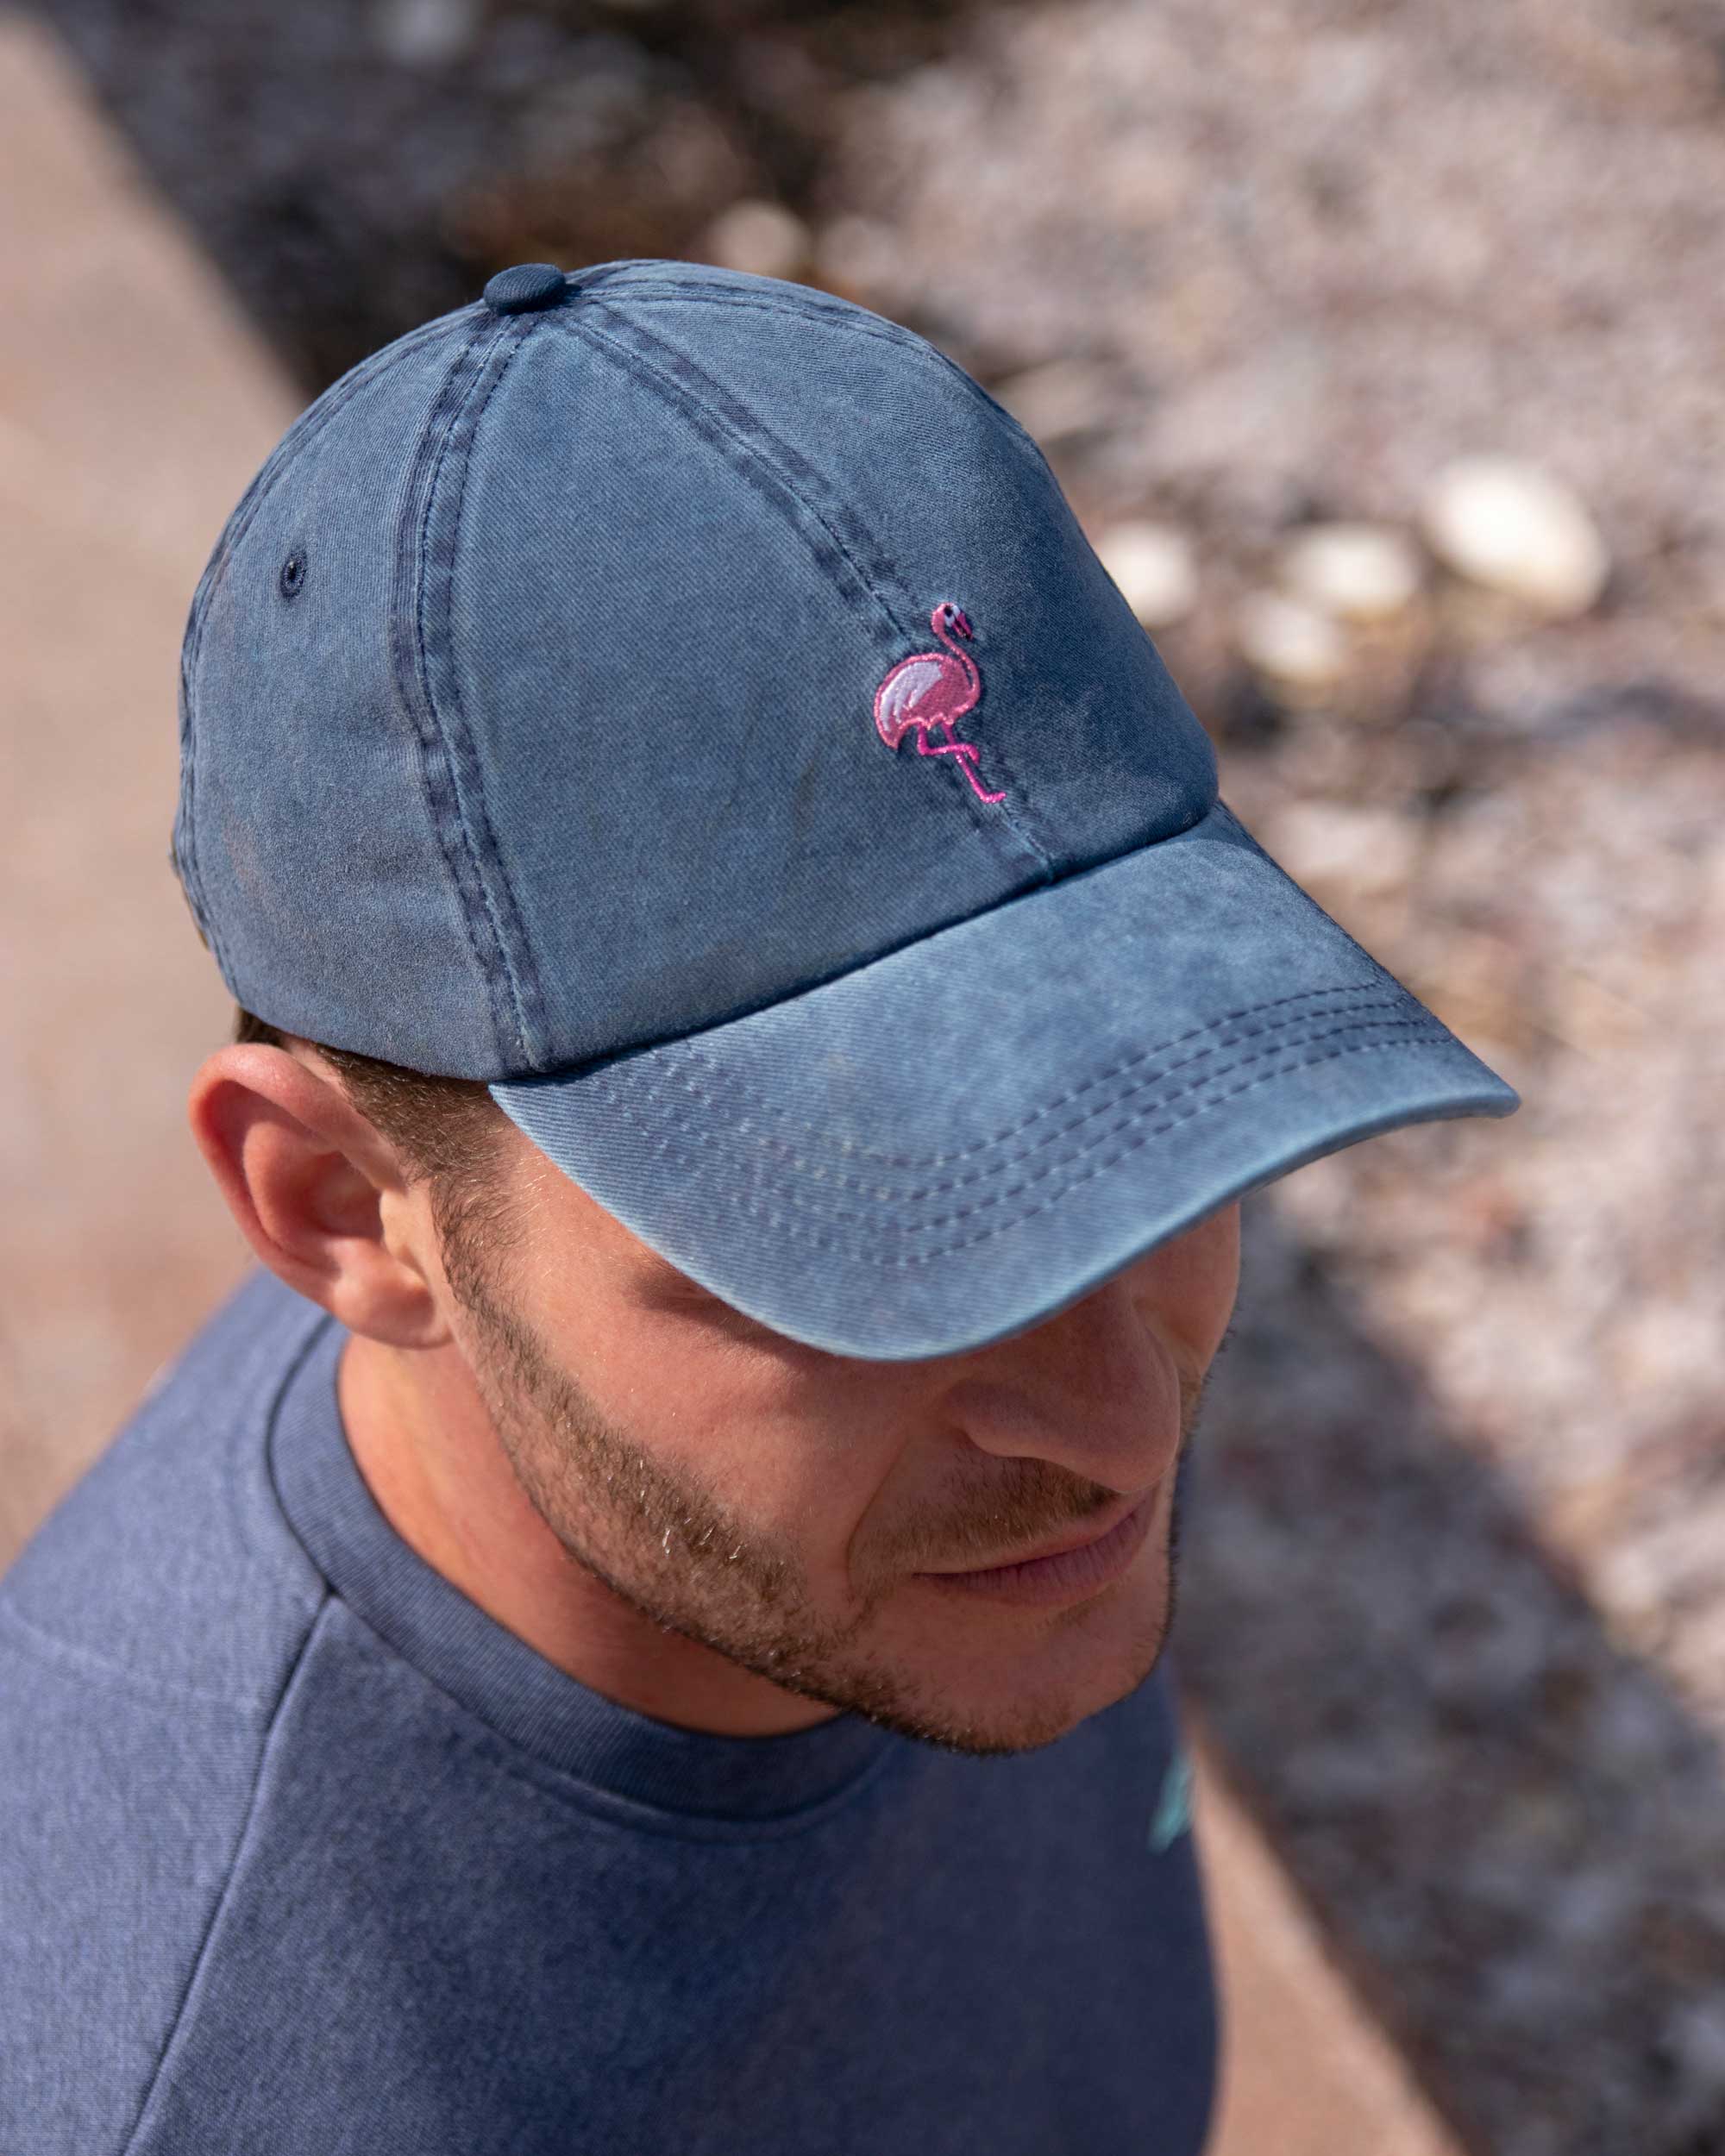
[
  {"x": 1019, "y": 1699},
  {"x": 994, "y": 1728}
]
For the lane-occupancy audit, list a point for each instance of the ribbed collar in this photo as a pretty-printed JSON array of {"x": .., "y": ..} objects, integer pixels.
[{"x": 501, "y": 1679}]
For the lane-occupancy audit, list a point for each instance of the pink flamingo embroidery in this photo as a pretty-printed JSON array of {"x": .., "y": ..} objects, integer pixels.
[{"x": 935, "y": 689}]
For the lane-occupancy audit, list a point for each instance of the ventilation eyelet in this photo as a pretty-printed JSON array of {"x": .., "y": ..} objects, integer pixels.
[{"x": 293, "y": 573}]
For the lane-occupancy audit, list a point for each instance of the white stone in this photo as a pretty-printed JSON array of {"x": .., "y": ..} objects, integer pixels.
[
  {"x": 1695, "y": 2030},
  {"x": 762, "y": 237},
  {"x": 1289, "y": 640},
  {"x": 1059, "y": 399},
  {"x": 1514, "y": 528},
  {"x": 1362, "y": 851},
  {"x": 856, "y": 252},
  {"x": 1153, "y": 566},
  {"x": 425, "y": 32},
  {"x": 1358, "y": 572}
]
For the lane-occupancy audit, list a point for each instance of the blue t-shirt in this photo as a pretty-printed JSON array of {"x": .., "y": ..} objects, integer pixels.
[{"x": 301, "y": 1852}]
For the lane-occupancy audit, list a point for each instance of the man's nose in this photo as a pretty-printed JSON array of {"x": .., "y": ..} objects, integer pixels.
[{"x": 1095, "y": 1389}]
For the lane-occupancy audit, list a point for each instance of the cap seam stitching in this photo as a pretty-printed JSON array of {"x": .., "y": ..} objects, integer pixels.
[
  {"x": 1101, "y": 1078},
  {"x": 797, "y": 1229},
  {"x": 505, "y": 912},
  {"x": 920, "y": 349},
  {"x": 634, "y": 360},
  {"x": 432, "y": 785},
  {"x": 450, "y": 829},
  {"x": 1144, "y": 1097},
  {"x": 668, "y": 294},
  {"x": 714, "y": 421}
]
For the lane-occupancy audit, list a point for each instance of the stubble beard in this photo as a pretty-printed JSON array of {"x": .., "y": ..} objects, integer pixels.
[{"x": 676, "y": 1553}]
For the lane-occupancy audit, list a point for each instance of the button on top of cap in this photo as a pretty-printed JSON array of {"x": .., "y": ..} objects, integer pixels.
[{"x": 528, "y": 285}]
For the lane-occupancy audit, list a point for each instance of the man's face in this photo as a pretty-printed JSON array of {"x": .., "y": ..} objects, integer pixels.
[{"x": 787, "y": 1508}]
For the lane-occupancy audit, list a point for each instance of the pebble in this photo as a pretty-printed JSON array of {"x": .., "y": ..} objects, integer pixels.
[
  {"x": 1696, "y": 2033},
  {"x": 856, "y": 255},
  {"x": 1358, "y": 572},
  {"x": 1289, "y": 640},
  {"x": 762, "y": 237},
  {"x": 1152, "y": 564},
  {"x": 1516, "y": 529},
  {"x": 425, "y": 32},
  {"x": 1059, "y": 399},
  {"x": 1362, "y": 852}
]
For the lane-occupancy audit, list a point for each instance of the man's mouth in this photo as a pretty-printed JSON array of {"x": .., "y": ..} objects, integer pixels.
[{"x": 1066, "y": 1571}]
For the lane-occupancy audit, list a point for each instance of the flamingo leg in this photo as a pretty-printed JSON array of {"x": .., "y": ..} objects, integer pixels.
[
  {"x": 965, "y": 750},
  {"x": 967, "y": 759}
]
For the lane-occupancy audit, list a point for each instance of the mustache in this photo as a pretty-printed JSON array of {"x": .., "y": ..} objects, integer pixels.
[
  {"x": 1040, "y": 1500},
  {"x": 1037, "y": 1500}
]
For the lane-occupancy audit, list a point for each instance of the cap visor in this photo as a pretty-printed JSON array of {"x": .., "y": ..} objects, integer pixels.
[{"x": 955, "y": 1141}]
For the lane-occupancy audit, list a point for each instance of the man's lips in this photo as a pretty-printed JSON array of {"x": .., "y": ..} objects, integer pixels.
[
  {"x": 1061, "y": 1572},
  {"x": 1080, "y": 1540}
]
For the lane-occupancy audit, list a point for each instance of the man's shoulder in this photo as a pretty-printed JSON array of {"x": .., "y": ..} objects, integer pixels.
[
  {"x": 147, "y": 1633},
  {"x": 169, "y": 1558}
]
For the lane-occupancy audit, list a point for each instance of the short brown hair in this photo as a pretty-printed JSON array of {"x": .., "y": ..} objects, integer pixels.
[{"x": 448, "y": 1131}]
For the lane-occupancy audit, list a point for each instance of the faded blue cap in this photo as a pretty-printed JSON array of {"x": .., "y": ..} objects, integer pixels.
[{"x": 686, "y": 701}]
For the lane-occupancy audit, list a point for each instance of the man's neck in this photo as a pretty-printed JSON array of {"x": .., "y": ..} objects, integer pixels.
[{"x": 427, "y": 1450}]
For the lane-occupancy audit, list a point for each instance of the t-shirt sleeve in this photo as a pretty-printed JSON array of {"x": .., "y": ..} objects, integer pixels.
[{"x": 109, "y": 1794}]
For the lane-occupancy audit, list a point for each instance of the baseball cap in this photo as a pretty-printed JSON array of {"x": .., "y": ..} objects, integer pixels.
[{"x": 686, "y": 701}]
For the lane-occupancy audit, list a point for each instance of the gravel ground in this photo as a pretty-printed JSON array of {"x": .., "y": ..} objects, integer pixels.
[{"x": 1453, "y": 1596}]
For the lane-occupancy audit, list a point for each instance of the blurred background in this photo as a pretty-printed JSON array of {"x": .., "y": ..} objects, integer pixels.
[{"x": 1377, "y": 348}]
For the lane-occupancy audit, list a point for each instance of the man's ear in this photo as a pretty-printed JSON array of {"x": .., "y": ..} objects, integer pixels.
[{"x": 317, "y": 1192}]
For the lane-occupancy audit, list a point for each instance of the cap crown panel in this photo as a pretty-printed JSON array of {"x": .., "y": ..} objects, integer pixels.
[
  {"x": 959, "y": 503},
  {"x": 540, "y": 662},
  {"x": 668, "y": 616},
  {"x": 308, "y": 805}
]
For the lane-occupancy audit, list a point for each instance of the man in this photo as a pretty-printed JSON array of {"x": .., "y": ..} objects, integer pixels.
[{"x": 642, "y": 1624}]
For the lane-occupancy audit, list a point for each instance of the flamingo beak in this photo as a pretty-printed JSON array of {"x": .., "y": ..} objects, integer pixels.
[{"x": 961, "y": 622}]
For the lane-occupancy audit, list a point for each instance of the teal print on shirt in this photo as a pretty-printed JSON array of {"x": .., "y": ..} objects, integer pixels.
[{"x": 1173, "y": 1815}]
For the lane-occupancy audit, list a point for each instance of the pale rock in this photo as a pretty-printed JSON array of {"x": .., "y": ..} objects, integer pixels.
[
  {"x": 1516, "y": 529},
  {"x": 857, "y": 254},
  {"x": 425, "y": 32},
  {"x": 1361, "y": 851},
  {"x": 1695, "y": 2032},
  {"x": 1059, "y": 399},
  {"x": 1153, "y": 567},
  {"x": 1289, "y": 640},
  {"x": 1586, "y": 1014},
  {"x": 762, "y": 237},
  {"x": 1355, "y": 571}
]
